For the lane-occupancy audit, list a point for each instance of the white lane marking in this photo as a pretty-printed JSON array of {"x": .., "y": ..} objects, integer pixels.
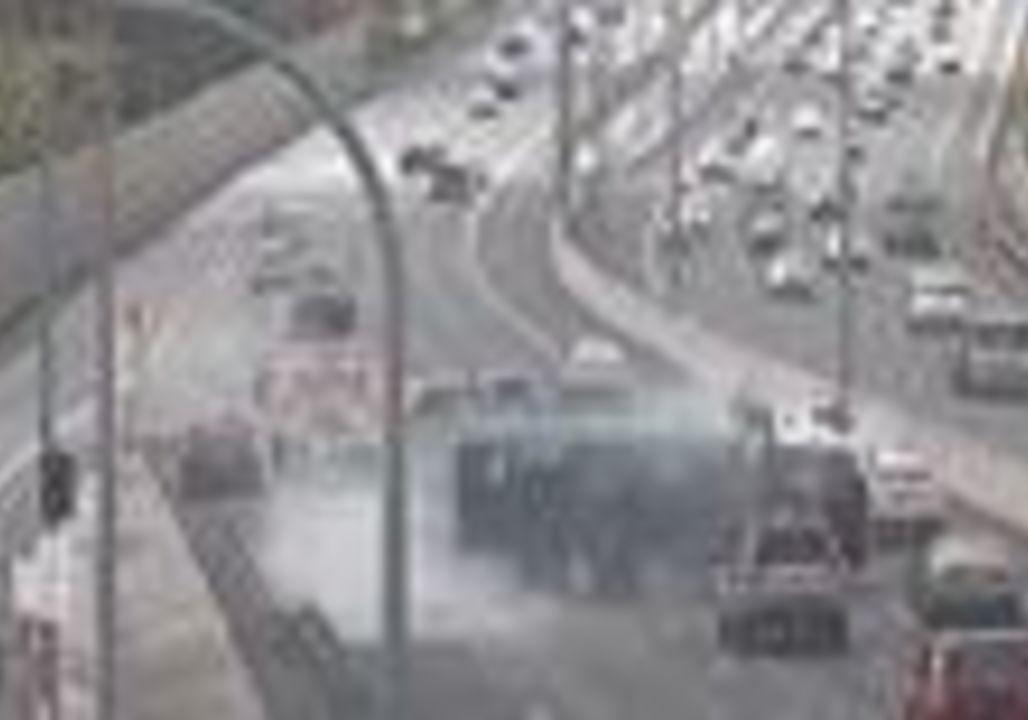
[{"x": 517, "y": 157}]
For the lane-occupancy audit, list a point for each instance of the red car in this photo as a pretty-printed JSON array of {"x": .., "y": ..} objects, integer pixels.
[{"x": 970, "y": 675}]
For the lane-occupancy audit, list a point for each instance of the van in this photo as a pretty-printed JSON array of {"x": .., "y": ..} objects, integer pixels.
[{"x": 965, "y": 581}]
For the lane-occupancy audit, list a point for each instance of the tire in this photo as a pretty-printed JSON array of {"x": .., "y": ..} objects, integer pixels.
[
  {"x": 837, "y": 635},
  {"x": 728, "y": 635},
  {"x": 960, "y": 382}
]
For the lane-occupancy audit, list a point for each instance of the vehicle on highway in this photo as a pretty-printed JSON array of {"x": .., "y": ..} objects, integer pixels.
[
  {"x": 874, "y": 104},
  {"x": 905, "y": 501},
  {"x": 947, "y": 60},
  {"x": 912, "y": 238},
  {"x": 507, "y": 89},
  {"x": 861, "y": 249},
  {"x": 518, "y": 42},
  {"x": 420, "y": 157},
  {"x": 910, "y": 210},
  {"x": 483, "y": 104},
  {"x": 582, "y": 24},
  {"x": 595, "y": 351},
  {"x": 808, "y": 122},
  {"x": 220, "y": 459},
  {"x": 323, "y": 315},
  {"x": 992, "y": 352},
  {"x": 509, "y": 389},
  {"x": 965, "y": 580},
  {"x": 815, "y": 457},
  {"x": 938, "y": 298},
  {"x": 698, "y": 217},
  {"x": 580, "y": 503},
  {"x": 747, "y": 131},
  {"x": 279, "y": 256},
  {"x": 783, "y": 587},
  {"x": 768, "y": 231},
  {"x": 714, "y": 163},
  {"x": 821, "y": 200},
  {"x": 961, "y": 675},
  {"x": 454, "y": 182},
  {"x": 791, "y": 274},
  {"x": 764, "y": 167}
]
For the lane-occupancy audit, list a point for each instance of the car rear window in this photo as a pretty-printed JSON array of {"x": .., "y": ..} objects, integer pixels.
[{"x": 801, "y": 545}]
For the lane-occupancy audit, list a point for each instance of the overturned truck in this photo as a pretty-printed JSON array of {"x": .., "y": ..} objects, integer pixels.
[{"x": 584, "y": 505}]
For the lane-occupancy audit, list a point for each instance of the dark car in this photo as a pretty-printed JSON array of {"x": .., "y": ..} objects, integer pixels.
[
  {"x": 454, "y": 183},
  {"x": 324, "y": 315},
  {"x": 421, "y": 157},
  {"x": 514, "y": 45},
  {"x": 506, "y": 88}
]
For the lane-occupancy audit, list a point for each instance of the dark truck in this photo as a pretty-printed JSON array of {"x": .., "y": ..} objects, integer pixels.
[
  {"x": 783, "y": 587},
  {"x": 583, "y": 510}
]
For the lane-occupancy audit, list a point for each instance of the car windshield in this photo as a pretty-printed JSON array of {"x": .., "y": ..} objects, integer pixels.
[
  {"x": 793, "y": 546},
  {"x": 968, "y": 609}
]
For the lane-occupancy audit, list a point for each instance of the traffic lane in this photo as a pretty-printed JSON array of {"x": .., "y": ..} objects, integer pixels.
[
  {"x": 514, "y": 257},
  {"x": 648, "y": 658},
  {"x": 76, "y": 320},
  {"x": 723, "y": 288}
]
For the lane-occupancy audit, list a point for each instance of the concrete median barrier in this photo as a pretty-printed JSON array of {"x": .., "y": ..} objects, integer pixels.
[{"x": 984, "y": 478}]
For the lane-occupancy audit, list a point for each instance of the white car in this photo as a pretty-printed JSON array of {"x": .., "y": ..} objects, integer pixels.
[
  {"x": 769, "y": 231},
  {"x": 594, "y": 351},
  {"x": 791, "y": 275},
  {"x": 861, "y": 249},
  {"x": 947, "y": 60},
  {"x": 765, "y": 163},
  {"x": 939, "y": 298},
  {"x": 483, "y": 104},
  {"x": 587, "y": 161},
  {"x": 714, "y": 163},
  {"x": 808, "y": 122},
  {"x": 966, "y": 580},
  {"x": 905, "y": 501},
  {"x": 698, "y": 216}
]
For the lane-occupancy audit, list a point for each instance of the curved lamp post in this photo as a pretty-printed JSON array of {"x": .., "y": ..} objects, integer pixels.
[{"x": 319, "y": 95}]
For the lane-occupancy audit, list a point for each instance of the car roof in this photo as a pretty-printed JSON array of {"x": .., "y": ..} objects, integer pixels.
[{"x": 899, "y": 458}]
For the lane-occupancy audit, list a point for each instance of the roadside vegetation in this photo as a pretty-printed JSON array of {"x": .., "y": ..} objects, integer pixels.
[{"x": 160, "y": 61}]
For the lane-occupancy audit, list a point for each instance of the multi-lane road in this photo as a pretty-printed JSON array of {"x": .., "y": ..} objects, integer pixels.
[{"x": 485, "y": 297}]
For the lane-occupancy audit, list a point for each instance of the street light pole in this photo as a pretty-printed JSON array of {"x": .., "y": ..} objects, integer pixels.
[
  {"x": 565, "y": 155},
  {"x": 45, "y": 248},
  {"x": 847, "y": 199},
  {"x": 675, "y": 118},
  {"x": 320, "y": 95}
]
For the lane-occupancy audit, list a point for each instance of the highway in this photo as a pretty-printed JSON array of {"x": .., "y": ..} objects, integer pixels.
[
  {"x": 485, "y": 298},
  {"x": 723, "y": 289}
]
